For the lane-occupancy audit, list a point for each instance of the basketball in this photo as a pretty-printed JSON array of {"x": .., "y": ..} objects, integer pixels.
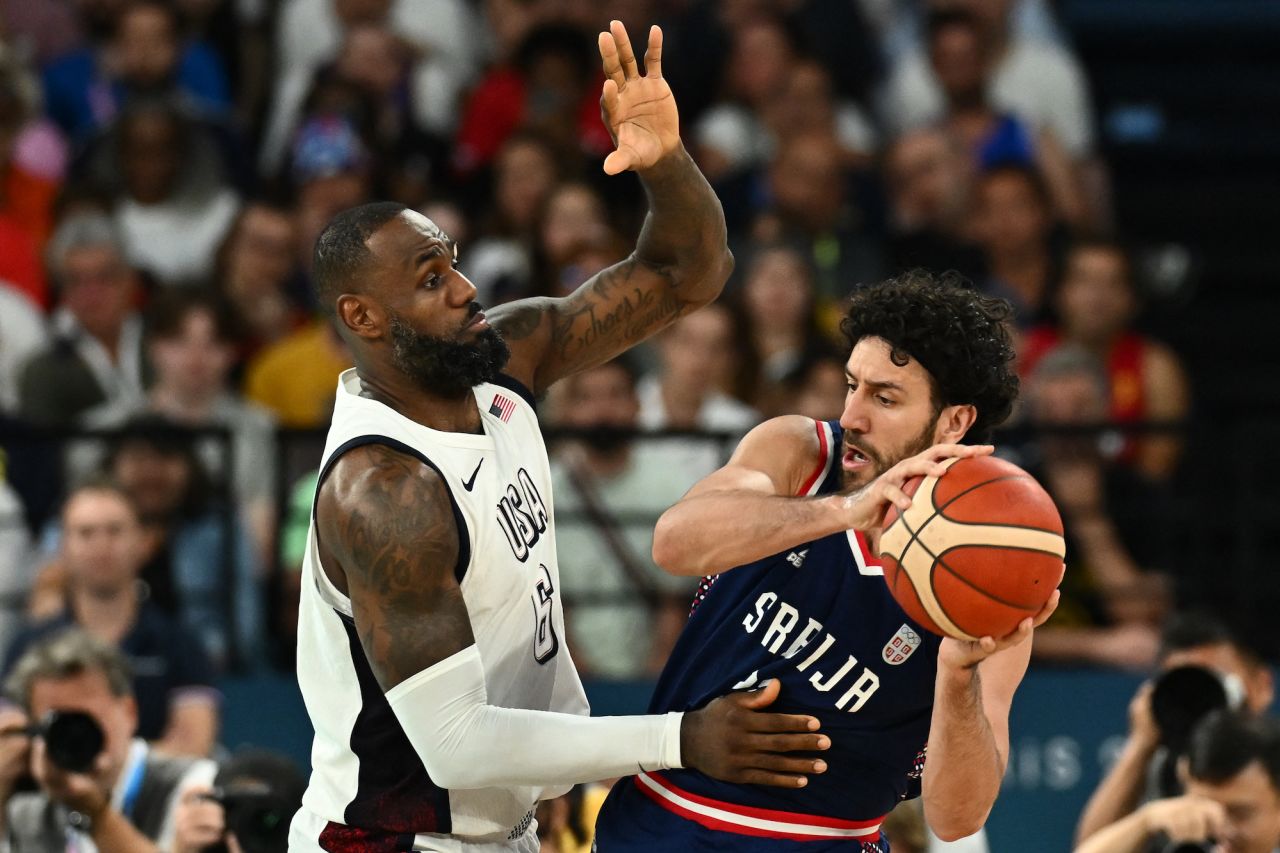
[{"x": 979, "y": 550}]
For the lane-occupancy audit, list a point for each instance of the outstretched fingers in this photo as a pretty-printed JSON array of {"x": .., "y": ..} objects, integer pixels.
[
  {"x": 612, "y": 63},
  {"x": 653, "y": 54},
  {"x": 626, "y": 55}
]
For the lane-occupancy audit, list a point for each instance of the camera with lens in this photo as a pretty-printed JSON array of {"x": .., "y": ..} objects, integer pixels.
[
  {"x": 73, "y": 740},
  {"x": 1180, "y": 698},
  {"x": 256, "y": 814}
]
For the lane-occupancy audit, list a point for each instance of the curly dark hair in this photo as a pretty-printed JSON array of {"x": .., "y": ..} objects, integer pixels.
[{"x": 959, "y": 336}]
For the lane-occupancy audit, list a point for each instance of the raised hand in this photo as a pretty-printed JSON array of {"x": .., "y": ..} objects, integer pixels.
[
  {"x": 733, "y": 739},
  {"x": 639, "y": 111}
]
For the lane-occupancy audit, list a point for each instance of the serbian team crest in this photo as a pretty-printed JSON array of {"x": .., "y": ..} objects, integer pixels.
[{"x": 901, "y": 646}]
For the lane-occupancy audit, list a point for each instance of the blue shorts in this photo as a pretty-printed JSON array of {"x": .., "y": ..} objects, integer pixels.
[{"x": 631, "y": 822}]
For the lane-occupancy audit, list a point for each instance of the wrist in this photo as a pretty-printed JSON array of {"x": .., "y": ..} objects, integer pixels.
[
  {"x": 670, "y": 165},
  {"x": 957, "y": 677}
]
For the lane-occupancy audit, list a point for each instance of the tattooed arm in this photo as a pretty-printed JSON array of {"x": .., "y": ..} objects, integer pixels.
[
  {"x": 388, "y": 540},
  {"x": 681, "y": 259}
]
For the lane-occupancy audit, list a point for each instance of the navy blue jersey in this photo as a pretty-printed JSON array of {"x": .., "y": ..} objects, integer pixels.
[{"x": 819, "y": 618}]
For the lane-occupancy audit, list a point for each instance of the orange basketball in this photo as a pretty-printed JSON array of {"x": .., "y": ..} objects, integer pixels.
[{"x": 979, "y": 550}]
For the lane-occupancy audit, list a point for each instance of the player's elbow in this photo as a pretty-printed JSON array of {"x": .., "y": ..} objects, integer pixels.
[
  {"x": 459, "y": 772},
  {"x": 671, "y": 546},
  {"x": 703, "y": 282},
  {"x": 949, "y": 833},
  {"x": 953, "y": 824}
]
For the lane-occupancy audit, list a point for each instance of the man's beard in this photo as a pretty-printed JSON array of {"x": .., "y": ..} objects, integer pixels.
[
  {"x": 879, "y": 462},
  {"x": 443, "y": 366}
]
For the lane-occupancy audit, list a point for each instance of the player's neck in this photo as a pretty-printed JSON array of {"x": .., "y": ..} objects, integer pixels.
[{"x": 438, "y": 412}]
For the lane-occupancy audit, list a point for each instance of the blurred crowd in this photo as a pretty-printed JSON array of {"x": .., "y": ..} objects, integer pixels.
[{"x": 165, "y": 168}]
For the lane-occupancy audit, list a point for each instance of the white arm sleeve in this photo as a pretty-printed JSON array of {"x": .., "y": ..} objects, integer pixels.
[{"x": 464, "y": 742}]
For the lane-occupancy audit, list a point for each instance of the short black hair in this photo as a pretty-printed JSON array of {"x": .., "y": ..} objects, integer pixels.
[
  {"x": 938, "y": 20},
  {"x": 564, "y": 41},
  {"x": 1193, "y": 629},
  {"x": 1224, "y": 743},
  {"x": 341, "y": 251},
  {"x": 170, "y": 308},
  {"x": 958, "y": 335},
  {"x": 1028, "y": 173}
]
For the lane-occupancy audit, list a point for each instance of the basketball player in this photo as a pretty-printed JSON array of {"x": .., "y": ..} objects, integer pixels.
[
  {"x": 786, "y": 533},
  {"x": 431, "y": 644}
]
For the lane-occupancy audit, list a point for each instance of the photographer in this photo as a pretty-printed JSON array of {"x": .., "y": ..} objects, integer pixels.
[
  {"x": 247, "y": 810},
  {"x": 1232, "y": 776},
  {"x": 1192, "y": 646},
  {"x": 99, "y": 788}
]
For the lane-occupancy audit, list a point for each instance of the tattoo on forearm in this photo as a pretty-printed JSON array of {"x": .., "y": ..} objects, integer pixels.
[{"x": 604, "y": 322}]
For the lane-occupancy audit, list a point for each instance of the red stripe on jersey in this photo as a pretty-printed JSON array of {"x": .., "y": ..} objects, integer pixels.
[{"x": 824, "y": 454}]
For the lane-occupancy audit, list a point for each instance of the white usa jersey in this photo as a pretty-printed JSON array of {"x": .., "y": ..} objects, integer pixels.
[{"x": 369, "y": 790}]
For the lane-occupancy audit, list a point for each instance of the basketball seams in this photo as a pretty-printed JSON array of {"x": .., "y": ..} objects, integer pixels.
[
  {"x": 937, "y": 541},
  {"x": 941, "y": 560},
  {"x": 931, "y": 603}
]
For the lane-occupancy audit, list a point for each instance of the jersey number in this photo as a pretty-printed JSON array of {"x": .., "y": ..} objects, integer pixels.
[{"x": 545, "y": 643}]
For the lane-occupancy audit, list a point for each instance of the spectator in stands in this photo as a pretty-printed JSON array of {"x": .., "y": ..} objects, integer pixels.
[
  {"x": 574, "y": 218},
  {"x": 103, "y": 551},
  {"x": 145, "y": 56},
  {"x": 1096, "y": 306},
  {"x": 190, "y": 345},
  {"x": 164, "y": 173},
  {"x": 994, "y": 137},
  {"x": 33, "y": 162},
  {"x": 770, "y": 94},
  {"x": 552, "y": 87},
  {"x": 43, "y": 31},
  {"x": 294, "y": 528},
  {"x": 808, "y": 187},
  {"x": 525, "y": 171},
  {"x": 254, "y": 268},
  {"x": 689, "y": 391},
  {"x": 370, "y": 84},
  {"x": 610, "y": 489},
  {"x": 1015, "y": 226},
  {"x": 296, "y": 378},
  {"x": 1038, "y": 81},
  {"x": 15, "y": 560},
  {"x": 817, "y": 388},
  {"x": 1112, "y": 598},
  {"x": 779, "y": 312},
  {"x": 1188, "y": 639},
  {"x": 96, "y": 354},
  {"x": 200, "y": 567},
  {"x": 128, "y": 802},
  {"x": 22, "y": 335},
  {"x": 311, "y": 33},
  {"x": 1232, "y": 773},
  {"x": 930, "y": 179}
]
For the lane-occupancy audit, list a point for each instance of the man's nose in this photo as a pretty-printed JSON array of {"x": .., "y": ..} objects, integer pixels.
[
  {"x": 462, "y": 291},
  {"x": 854, "y": 416}
]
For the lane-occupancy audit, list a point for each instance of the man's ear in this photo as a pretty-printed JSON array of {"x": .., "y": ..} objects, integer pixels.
[
  {"x": 953, "y": 423},
  {"x": 361, "y": 315}
]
